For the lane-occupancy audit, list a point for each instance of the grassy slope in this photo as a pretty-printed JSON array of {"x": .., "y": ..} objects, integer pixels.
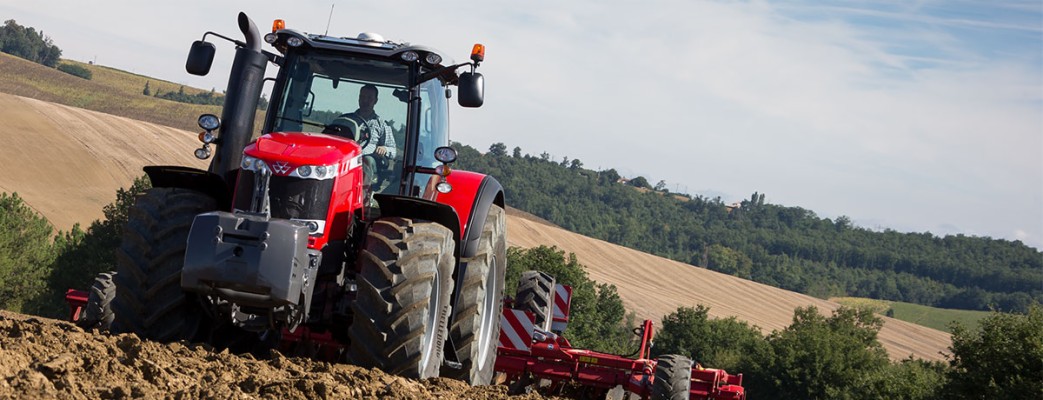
[
  {"x": 110, "y": 91},
  {"x": 931, "y": 317}
]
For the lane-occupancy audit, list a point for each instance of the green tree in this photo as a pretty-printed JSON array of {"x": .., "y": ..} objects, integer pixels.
[
  {"x": 498, "y": 149},
  {"x": 640, "y": 182},
  {"x": 727, "y": 343},
  {"x": 27, "y": 43},
  {"x": 1002, "y": 359},
  {"x": 824, "y": 358},
  {"x": 26, "y": 253},
  {"x": 517, "y": 152},
  {"x": 728, "y": 261},
  {"x": 909, "y": 379}
]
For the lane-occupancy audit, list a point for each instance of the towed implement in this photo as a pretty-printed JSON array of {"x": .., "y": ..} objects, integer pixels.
[{"x": 532, "y": 352}]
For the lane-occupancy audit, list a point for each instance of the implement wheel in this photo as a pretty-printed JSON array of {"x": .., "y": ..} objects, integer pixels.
[
  {"x": 98, "y": 312},
  {"x": 536, "y": 295},
  {"x": 673, "y": 378},
  {"x": 476, "y": 326},
  {"x": 404, "y": 283},
  {"x": 149, "y": 301}
]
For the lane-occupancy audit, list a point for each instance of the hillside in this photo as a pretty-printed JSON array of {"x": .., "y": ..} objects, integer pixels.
[
  {"x": 109, "y": 91},
  {"x": 97, "y": 153}
]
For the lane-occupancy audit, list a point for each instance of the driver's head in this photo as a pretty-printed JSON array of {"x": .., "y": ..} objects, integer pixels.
[{"x": 367, "y": 98}]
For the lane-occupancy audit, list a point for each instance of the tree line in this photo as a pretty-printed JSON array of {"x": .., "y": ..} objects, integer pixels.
[
  {"x": 783, "y": 246},
  {"x": 28, "y": 43}
]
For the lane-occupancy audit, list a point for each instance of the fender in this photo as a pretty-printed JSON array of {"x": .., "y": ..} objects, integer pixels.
[
  {"x": 412, "y": 207},
  {"x": 171, "y": 176},
  {"x": 472, "y": 196}
]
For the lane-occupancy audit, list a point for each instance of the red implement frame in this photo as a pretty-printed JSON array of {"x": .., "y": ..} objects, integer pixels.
[
  {"x": 77, "y": 300},
  {"x": 551, "y": 357}
]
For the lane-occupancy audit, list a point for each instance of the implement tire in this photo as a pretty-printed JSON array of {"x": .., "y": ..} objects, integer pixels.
[
  {"x": 673, "y": 378},
  {"x": 98, "y": 312},
  {"x": 405, "y": 279},
  {"x": 149, "y": 300},
  {"x": 476, "y": 323},
  {"x": 536, "y": 295}
]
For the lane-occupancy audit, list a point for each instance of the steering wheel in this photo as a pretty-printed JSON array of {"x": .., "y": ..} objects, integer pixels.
[{"x": 348, "y": 128}]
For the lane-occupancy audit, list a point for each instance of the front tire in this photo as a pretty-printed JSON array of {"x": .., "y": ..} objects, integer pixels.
[
  {"x": 673, "y": 378},
  {"x": 149, "y": 300},
  {"x": 476, "y": 325},
  {"x": 404, "y": 286}
]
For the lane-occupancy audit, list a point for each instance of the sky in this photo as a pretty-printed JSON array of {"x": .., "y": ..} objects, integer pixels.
[{"x": 916, "y": 116}]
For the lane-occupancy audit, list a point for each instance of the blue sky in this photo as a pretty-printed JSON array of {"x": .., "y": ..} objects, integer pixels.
[{"x": 910, "y": 115}]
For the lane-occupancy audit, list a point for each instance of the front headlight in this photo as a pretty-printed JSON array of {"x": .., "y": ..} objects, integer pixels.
[
  {"x": 320, "y": 172},
  {"x": 252, "y": 164}
]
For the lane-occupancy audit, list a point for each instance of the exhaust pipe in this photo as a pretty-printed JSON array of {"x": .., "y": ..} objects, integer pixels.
[{"x": 245, "y": 82}]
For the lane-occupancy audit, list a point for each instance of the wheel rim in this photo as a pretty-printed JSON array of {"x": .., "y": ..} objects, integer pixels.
[
  {"x": 431, "y": 333},
  {"x": 488, "y": 314}
]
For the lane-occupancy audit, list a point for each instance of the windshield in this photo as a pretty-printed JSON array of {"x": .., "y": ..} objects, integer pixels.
[
  {"x": 321, "y": 87},
  {"x": 354, "y": 97}
]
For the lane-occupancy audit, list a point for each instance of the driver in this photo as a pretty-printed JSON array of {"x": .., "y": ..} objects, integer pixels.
[{"x": 379, "y": 142}]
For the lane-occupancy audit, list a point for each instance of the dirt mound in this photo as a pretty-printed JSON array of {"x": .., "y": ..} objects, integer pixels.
[{"x": 41, "y": 358}]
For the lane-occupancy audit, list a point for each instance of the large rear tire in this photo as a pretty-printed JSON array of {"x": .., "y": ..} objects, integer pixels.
[
  {"x": 476, "y": 322},
  {"x": 98, "y": 312},
  {"x": 149, "y": 300},
  {"x": 404, "y": 283},
  {"x": 536, "y": 295},
  {"x": 673, "y": 378}
]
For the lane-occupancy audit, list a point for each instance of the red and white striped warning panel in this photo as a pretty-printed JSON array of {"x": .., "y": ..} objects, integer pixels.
[
  {"x": 562, "y": 302},
  {"x": 516, "y": 329}
]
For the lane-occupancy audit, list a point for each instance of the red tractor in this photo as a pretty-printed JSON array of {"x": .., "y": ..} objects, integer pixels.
[{"x": 340, "y": 231}]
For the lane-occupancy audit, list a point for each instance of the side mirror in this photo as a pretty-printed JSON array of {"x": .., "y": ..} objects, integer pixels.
[
  {"x": 200, "y": 58},
  {"x": 445, "y": 154},
  {"x": 472, "y": 89}
]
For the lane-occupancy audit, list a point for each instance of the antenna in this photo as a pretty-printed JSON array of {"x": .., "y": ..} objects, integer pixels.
[{"x": 328, "y": 20}]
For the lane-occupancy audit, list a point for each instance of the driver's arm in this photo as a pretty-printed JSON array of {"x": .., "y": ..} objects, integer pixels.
[{"x": 389, "y": 142}]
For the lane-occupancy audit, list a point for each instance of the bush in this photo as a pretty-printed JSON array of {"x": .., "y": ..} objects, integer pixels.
[
  {"x": 75, "y": 69},
  {"x": 26, "y": 253},
  {"x": 1002, "y": 359}
]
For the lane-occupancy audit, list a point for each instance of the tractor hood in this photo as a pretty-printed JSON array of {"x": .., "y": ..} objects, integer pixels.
[{"x": 294, "y": 149}]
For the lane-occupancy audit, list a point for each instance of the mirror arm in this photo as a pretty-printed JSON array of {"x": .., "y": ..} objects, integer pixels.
[
  {"x": 237, "y": 42},
  {"x": 441, "y": 71},
  {"x": 272, "y": 57}
]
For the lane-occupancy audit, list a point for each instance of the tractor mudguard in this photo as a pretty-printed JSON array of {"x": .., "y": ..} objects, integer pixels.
[
  {"x": 472, "y": 196},
  {"x": 417, "y": 208},
  {"x": 172, "y": 176}
]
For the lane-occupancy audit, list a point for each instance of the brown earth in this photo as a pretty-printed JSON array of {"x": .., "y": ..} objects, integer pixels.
[
  {"x": 67, "y": 163},
  {"x": 41, "y": 358}
]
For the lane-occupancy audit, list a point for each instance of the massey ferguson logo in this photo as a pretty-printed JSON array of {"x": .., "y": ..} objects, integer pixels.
[{"x": 281, "y": 167}]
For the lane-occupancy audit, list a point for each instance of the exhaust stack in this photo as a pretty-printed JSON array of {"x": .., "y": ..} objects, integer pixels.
[{"x": 245, "y": 82}]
